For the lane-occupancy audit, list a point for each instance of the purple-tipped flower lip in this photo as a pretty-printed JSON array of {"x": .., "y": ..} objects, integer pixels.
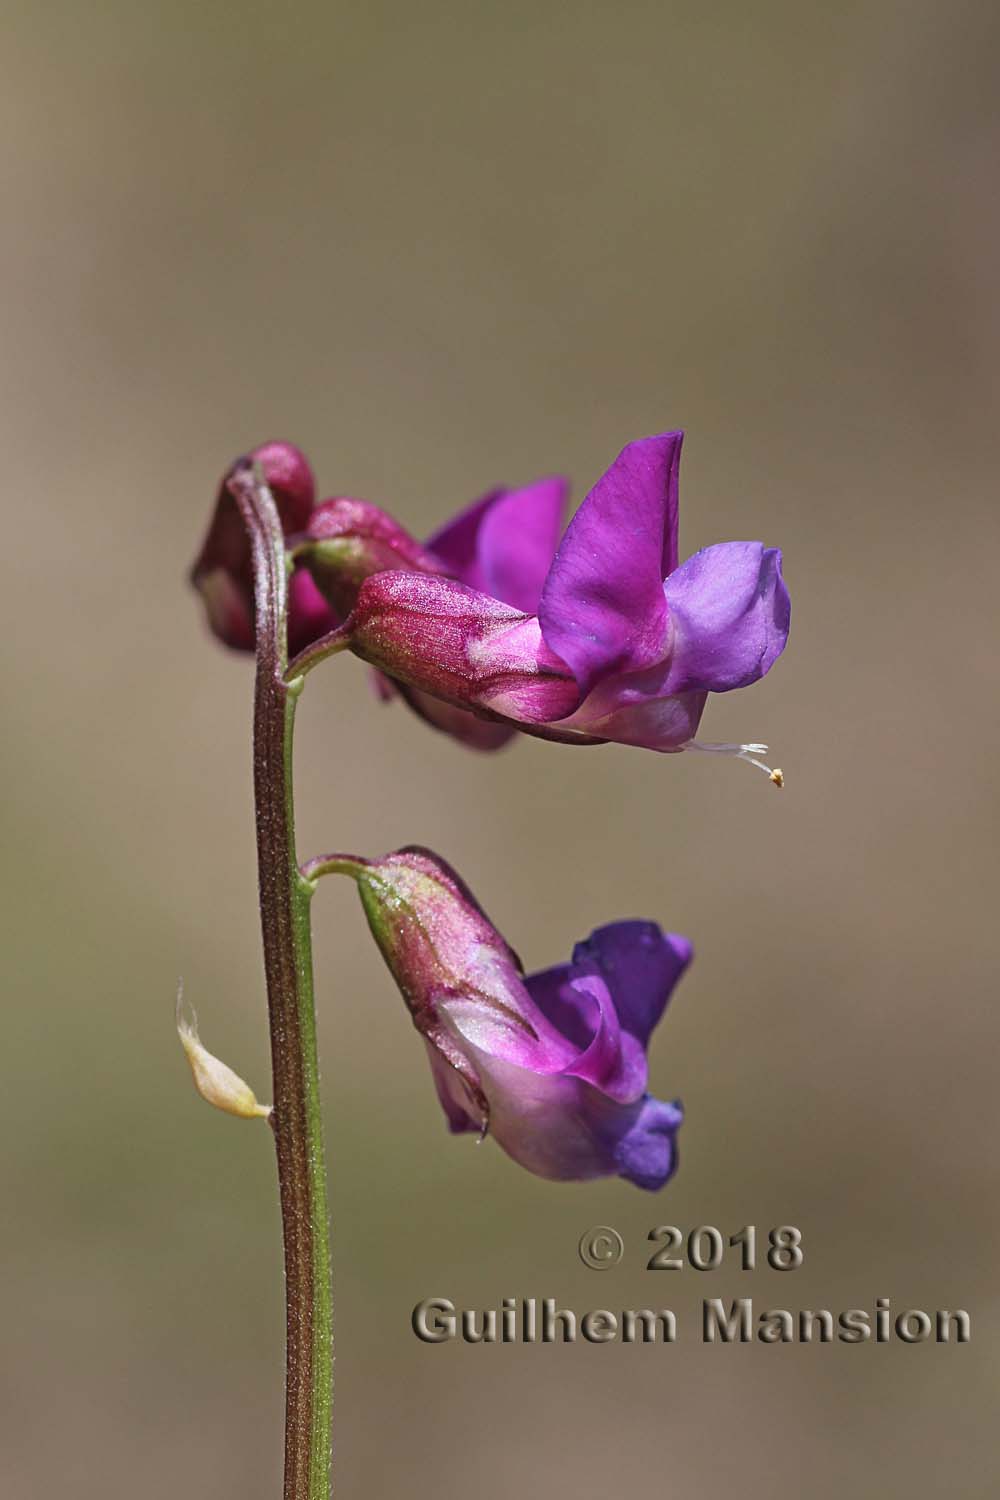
[{"x": 553, "y": 1064}]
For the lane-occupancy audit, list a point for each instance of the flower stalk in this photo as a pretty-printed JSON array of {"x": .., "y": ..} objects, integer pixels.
[{"x": 285, "y": 924}]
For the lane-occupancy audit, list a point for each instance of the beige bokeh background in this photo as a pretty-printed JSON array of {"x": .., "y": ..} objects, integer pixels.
[{"x": 442, "y": 247}]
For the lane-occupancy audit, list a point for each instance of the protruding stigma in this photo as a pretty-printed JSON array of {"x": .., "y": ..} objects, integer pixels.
[{"x": 749, "y": 753}]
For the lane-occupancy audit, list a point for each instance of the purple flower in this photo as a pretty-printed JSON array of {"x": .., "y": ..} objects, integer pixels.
[
  {"x": 607, "y": 639},
  {"x": 223, "y": 572},
  {"x": 552, "y": 1064}
]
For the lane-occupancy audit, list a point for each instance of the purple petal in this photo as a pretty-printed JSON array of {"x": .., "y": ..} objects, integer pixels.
[
  {"x": 602, "y": 607},
  {"x": 518, "y": 540},
  {"x": 504, "y": 544},
  {"x": 383, "y": 687},
  {"x": 729, "y": 612},
  {"x": 566, "y": 1129},
  {"x": 520, "y": 1036},
  {"x": 309, "y": 615},
  {"x": 228, "y": 601},
  {"x": 455, "y": 542},
  {"x": 460, "y": 723},
  {"x": 581, "y": 1008},
  {"x": 640, "y": 965},
  {"x": 646, "y": 1153},
  {"x": 613, "y": 1064},
  {"x": 572, "y": 1011},
  {"x": 634, "y": 711},
  {"x": 452, "y": 1094}
]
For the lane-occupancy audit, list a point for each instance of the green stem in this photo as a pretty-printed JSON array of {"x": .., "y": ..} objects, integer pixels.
[
  {"x": 333, "y": 864},
  {"x": 296, "y": 1119},
  {"x": 326, "y": 646}
]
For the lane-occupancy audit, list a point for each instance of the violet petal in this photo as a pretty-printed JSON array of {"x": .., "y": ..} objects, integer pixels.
[
  {"x": 729, "y": 611},
  {"x": 603, "y": 608}
]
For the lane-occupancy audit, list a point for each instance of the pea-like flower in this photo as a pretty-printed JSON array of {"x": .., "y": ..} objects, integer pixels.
[
  {"x": 604, "y": 636},
  {"x": 552, "y": 1065},
  {"x": 494, "y": 626}
]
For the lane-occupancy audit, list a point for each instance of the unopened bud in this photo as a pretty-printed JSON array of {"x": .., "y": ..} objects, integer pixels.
[
  {"x": 223, "y": 570},
  {"x": 215, "y": 1080},
  {"x": 349, "y": 540}
]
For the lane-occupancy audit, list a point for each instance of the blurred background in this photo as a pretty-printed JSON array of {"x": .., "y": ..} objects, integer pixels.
[{"x": 444, "y": 247}]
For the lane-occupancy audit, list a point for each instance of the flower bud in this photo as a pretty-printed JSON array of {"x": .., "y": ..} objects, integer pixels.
[
  {"x": 215, "y": 1080},
  {"x": 553, "y": 1064},
  {"x": 351, "y": 539},
  {"x": 223, "y": 570},
  {"x": 454, "y": 643}
]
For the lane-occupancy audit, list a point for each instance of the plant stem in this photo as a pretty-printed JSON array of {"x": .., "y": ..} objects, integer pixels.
[
  {"x": 333, "y": 864},
  {"x": 325, "y": 646},
  {"x": 284, "y": 911}
]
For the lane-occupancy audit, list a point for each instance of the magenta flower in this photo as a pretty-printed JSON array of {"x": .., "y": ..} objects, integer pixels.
[
  {"x": 223, "y": 573},
  {"x": 494, "y": 626},
  {"x": 607, "y": 639},
  {"x": 552, "y": 1065}
]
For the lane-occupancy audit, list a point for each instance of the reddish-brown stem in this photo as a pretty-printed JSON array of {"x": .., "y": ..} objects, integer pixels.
[{"x": 285, "y": 925}]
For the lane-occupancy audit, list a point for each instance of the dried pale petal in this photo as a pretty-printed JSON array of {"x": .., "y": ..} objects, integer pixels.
[{"x": 215, "y": 1081}]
